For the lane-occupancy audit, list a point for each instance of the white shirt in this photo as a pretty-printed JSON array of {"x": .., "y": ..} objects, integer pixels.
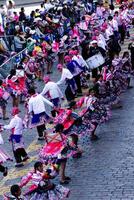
[
  {"x": 109, "y": 32},
  {"x": 16, "y": 124},
  {"x": 36, "y": 104},
  {"x": 80, "y": 60},
  {"x": 99, "y": 12},
  {"x": 114, "y": 24},
  {"x": 66, "y": 74},
  {"x": 101, "y": 38},
  {"x": 53, "y": 89},
  {"x": 83, "y": 26}
]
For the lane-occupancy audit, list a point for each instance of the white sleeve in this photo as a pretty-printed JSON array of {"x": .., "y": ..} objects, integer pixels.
[
  {"x": 59, "y": 91},
  {"x": 44, "y": 91},
  {"x": 30, "y": 106},
  {"x": 47, "y": 101},
  {"x": 68, "y": 74},
  {"x": 11, "y": 124},
  {"x": 62, "y": 79},
  {"x": 84, "y": 62},
  {"x": 65, "y": 74}
]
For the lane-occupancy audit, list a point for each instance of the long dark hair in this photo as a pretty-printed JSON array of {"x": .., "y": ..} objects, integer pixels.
[{"x": 37, "y": 165}]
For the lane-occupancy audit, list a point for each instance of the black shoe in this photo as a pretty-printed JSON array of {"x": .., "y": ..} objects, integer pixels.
[
  {"x": 25, "y": 158},
  {"x": 19, "y": 165},
  {"x": 5, "y": 172},
  {"x": 21, "y": 102},
  {"x": 129, "y": 87},
  {"x": 41, "y": 138},
  {"x": 94, "y": 138},
  {"x": 119, "y": 106},
  {"x": 67, "y": 178},
  {"x": 64, "y": 182},
  {"x": 5, "y": 118},
  {"x": 77, "y": 155}
]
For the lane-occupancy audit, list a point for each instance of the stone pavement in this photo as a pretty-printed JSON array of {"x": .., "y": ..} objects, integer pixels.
[{"x": 106, "y": 169}]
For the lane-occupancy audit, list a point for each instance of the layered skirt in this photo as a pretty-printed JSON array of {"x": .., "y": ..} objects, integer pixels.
[
  {"x": 4, "y": 156},
  {"x": 58, "y": 193}
]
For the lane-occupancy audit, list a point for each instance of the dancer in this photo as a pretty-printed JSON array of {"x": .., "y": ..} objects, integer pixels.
[
  {"x": 42, "y": 188},
  {"x": 67, "y": 77},
  {"x": 37, "y": 109},
  {"x": 16, "y": 138},
  {"x": 52, "y": 90}
]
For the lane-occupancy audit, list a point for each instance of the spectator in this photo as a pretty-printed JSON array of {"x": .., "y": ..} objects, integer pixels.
[{"x": 19, "y": 42}]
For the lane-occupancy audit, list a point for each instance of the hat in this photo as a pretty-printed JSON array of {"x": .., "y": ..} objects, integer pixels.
[
  {"x": 27, "y": 29},
  {"x": 46, "y": 79},
  {"x": 67, "y": 58},
  {"x": 103, "y": 29},
  {"x": 104, "y": 25},
  {"x": 132, "y": 44},
  {"x": 59, "y": 66},
  {"x": 64, "y": 37},
  {"x": 15, "y": 111},
  {"x": 17, "y": 27},
  {"x": 94, "y": 38},
  {"x": 94, "y": 42},
  {"x": 37, "y": 19},
  {"x": 96, "y": 32},
  {"x": 56, "y": 21},
  {"x": 76, "y": 52},
  {"x": 71, "y": 52},
  {"x": 32, "y": 32}
]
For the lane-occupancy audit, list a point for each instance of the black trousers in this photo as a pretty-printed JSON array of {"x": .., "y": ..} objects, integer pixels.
[
  {"x": 41, "y": 129},
  {"x": 2, "y": 168},
  {"x": 122, "y": 33},
  {"x": 94, "y": 73},
  {"x": 78, "y": 83},
  {"x": 132, "y": 62},
  {"x": 68, "y": 93},
  {"x": 19, "y": 154}
]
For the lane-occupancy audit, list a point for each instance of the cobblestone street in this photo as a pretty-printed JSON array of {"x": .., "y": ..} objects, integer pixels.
[{"x": 106, "y": 169}]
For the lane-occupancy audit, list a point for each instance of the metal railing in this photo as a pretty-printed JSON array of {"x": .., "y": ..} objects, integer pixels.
[{"x": 10, "y": 63}]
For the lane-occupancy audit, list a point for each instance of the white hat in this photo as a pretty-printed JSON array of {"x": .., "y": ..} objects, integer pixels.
[
  {"x": 27, "y": 29},
  {"x": 32, "y": 32},
  {"x": 132, "y": 44},
  {"x": 93, "y": 42},
  {"x": 64, "y": 37},
  {"x": 17, "y": 27},
  {"x": 60, "y": 8},
  {"x": 55, "y": 21},
  {"x": 65, "y": 2},
  {"x": 37, "y": 19}
]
